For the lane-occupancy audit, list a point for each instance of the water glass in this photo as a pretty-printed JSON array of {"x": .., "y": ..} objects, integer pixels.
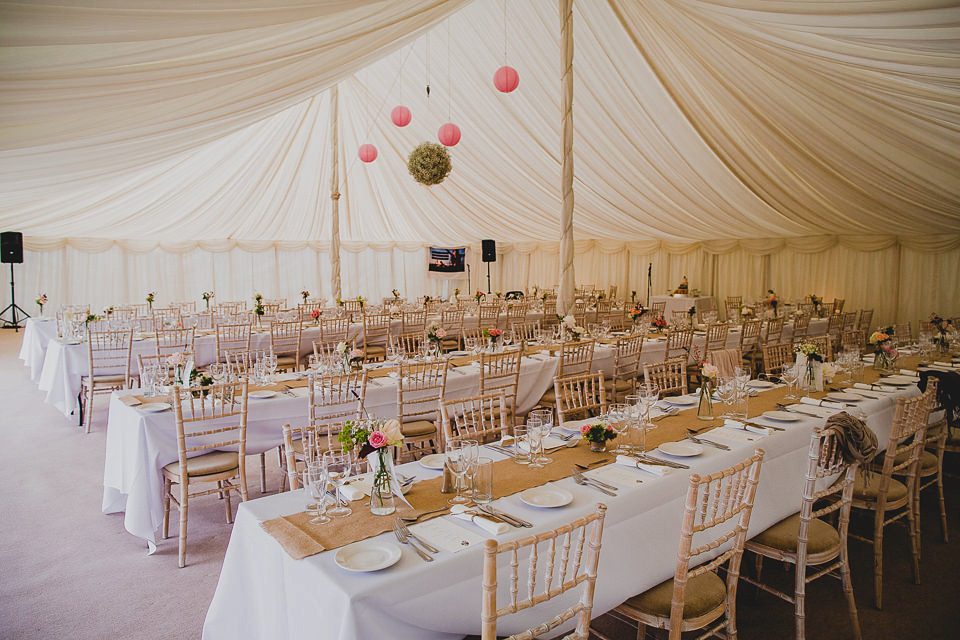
[
  {"x": 148, "y": 380},
  {"x": 457, "y": 461},
  {"x": 339, "y": 465},
  {"x": 534, "y": 443},
  {"x": 618, "y": 417},
  {"x": 315, "y": 482},
  {"x": 483, "y": 481},
  {"x": 521, "y": 445}
]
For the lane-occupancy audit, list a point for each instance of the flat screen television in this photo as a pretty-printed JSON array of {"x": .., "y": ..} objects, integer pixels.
[{"x": 447, "y": 260}]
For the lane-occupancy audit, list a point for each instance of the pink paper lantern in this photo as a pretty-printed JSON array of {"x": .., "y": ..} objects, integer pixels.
[
  {"x": 506, "y": 79},
  {"x": 449, "y": 134},
  {"x": 367, "y": 153},
  {"x": 401, "y": 116}
]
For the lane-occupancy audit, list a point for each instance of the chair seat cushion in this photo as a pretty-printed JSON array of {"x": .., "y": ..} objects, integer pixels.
[
  {"x": 867, "y": 489},
  {"x": 550, "y": 397},
  {"x": 821, "y": 537},
  {"x": 928, "y": 461},
  {"x": 375, "y": 351},
  {"x": 208, "y": 463},
  {"x": 418, "y": 428},
  {"x": 621, "y": 385},
  {"x": 703, "y": 594}
]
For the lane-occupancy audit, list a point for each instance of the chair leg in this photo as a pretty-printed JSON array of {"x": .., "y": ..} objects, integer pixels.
[
  {"x": 848, "y": 592},
  {"x": 641, "y": 631},
  {"x": 263, "y": 473},
  {"x": 878, "y": 559},
  {"x": 166, "y": 508},
  {"x": 226, "y": 485},
  {"x": 183, "y": 522},
  {"x": 799, "y": 601},
  {"x": 914, "y": 543},
  {"x": 88, "y": 413},
  {"x": 943, "y": 506}
]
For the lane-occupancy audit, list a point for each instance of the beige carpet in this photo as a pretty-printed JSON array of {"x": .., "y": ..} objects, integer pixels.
[{"x": 68, "y": 571}]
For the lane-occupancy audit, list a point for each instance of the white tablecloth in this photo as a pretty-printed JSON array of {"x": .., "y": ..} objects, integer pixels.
[
  {"x": 262, "y": 592},
  {"x": 37, "y": 333},
  {"x": 677, "y": 303}
]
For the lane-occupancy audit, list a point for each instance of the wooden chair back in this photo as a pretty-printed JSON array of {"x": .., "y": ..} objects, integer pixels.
[
  {"x": 517, "y": 311},
  {"x": 774, "y": 330},
  {"x": 285, "y": 338},
  {"x": 907, "y": 439},
  {"x": 837, "y": 306},
  {"x": 420, "y": 387},
  {"x": 866, "y": 319},
  {"x": 232, "y": 338},
  {"x": 413, "y": 321},
  {"x": 334, "y": 399},
  {"x": 824, "y": 346},
  {"x": 575, "y": 357},
  {"x": 211, "y": 418},
  {"x": 849, "y": 322},
  {"x": 170, "y": 341},
  {"x": 679, "y": 318},
  {"x": 167, "y": 317},
  {"x": 580, "y": 396},
  {"x": 109, "y": 355},
  {"x": 679, "y": 343},
  {"x": 484, "y": 418},
  {"x": 488, "y": 315},
  {"x": 903, "y": 332},
  {"x": 716, "y": 337},
  {"x": 376, "y": 333},
  {"x": 570, "y": 556},
  {"x": 525, "y": 331},
  {"x": 409, "y": 343},
  {"x": 750, "y": 335},
  {"x": 669, "y": 375},
  {"x": 501, "y": 372},
  {"x": 659, "y": 309},
  {"x": 626, "y": 360},
  {"x": 775, "y": 356}
]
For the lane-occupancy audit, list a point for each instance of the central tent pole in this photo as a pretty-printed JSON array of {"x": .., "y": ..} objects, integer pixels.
[
  {"x": 335, "y": 194},
  {"x": 565, "y": 298}
]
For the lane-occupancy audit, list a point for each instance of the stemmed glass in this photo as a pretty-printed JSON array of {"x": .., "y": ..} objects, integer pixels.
[
  {"x": 339, "y": 466},
  {"x": 618, "y": 417},
  {"x": 727, "y": 390},
  {"x": 315, "y": 481},
  {"x": 270, "y": 364},
  {"x": 217, "y": 371},
  {"x": 507, "y": 338},
  {"x": 790, "y": 375},
  {"x": 458, "y": 462},
  {"x": 471, "y": 450},
  {"x": 649, "y": 396}
]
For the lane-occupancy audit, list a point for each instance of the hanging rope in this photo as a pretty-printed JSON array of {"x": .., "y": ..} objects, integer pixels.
[
  {"x": 565, "y": 298},
  {"x": 335, "y": 192}
]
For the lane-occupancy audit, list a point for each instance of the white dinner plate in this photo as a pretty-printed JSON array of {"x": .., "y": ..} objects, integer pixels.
[
  {"x": 154, "y": 407},
  {"x": 682, "y": 449},
  {"x": 761, "y": 384},
  {"x": 842, "y": 396},
  {"x": 546, "y": 497},
  {"x": 784, "y": 416},
  {"x": 367, "y": 555},
  {"x": 284, "y": 377},
  {"x": 262, "y": 393},
  {"x": 681, "y": 401},
  {"x": 457, "y": 354},
  {"x": 72, "y": 341},
  {"x": 140, "y": 339},
  {"x": 433, "y": 461},
  {"x": 900, "y": 381}
]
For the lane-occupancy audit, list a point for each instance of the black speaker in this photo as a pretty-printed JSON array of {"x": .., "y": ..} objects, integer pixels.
[
  {"x": 11, "y": 247},
  {"x": 489, "y": 251}
]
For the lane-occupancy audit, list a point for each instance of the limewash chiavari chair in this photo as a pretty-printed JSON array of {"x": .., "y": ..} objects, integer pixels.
[
  {"x": 571, "y": 554},
  {"x": 482, "y": 418},
  {"x": 185, "y": 307},
  {"x": 659, "y": 309},
  {"x": 849, "y": 321},
  {"x": 413, "y": 321},
  {"x": 300, "y": 443},
  {"x": 679, "y": 318},
  {"x": 525, "y": 331},
  {"x": 420, "y": 388},
  {"x": 679, "y": 342},
  {"x": 854, "y": 339},
  {"x": 773, "y": 330},
  {"x": 451, "y": 320},
  {"x": 231, "y": 338},
  {"x": 865, "y": 321},
  {"x": 334, "y": 330},
  {"x": 488, "y": 315},
  {"x": 823, "y": 344},
  {"x": 575, "y": 358},
  {"x": 501, "y": 372},
  {"x": 837, "y": 306},
  {"x": 517, "y": 312},
  {"x": 285, "y": 342},
  {"x": 750, "y": 340},
  {"x": 550, "y": 313},
  {"x": 716, "y": 515},
  {"x": 732, "y": 308},
  {"x": 170, "y": 341},
  {"x": 108, "y": 368},
  {"x": 166, "y": 317},
  {"x": 716, "y": 337},
  {"x": 669, "y": 375},
  {"x": 725, "y": 360},
  {"x": 903, "y": 332},
  {"x": 376, "y": 336},
  {"x": 775, "y": 356},
  {"x": 202, "y": 436},
  {"x": 880, "y": 493},
  {"x": 801, "y": 324},
  {"x": 804, "y": 539},
  {"x": 580, "y": 396},
  {"x": 410, "y": 344},
  {"x": 626, "y": 367}
]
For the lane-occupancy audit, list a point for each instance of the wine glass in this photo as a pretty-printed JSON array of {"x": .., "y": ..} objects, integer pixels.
[
  {"x": 270, "y": 362},
  {"x": 457, "y": 461},
  {"x": 471, "y": 450},
  {"x": 726, "y": 391},
  {"x": 507, "y": 338},
  {"x": 542, "y": 421},
  {"x": 649, "y": 393},
  {"x": 217, "y": 371},
  {"x": 315, "y": 482},
  {"x": 339, "y": 466},
  {"x": 790, "y": 375}
]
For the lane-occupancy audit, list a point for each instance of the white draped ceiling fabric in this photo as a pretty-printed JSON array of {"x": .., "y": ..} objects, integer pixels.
[{"x": 184, "y": 145}]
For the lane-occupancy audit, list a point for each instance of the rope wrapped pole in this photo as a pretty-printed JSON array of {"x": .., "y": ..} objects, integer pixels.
[
  {"x": 565, "y": 298},
  {"x": 335, "y": 193}
]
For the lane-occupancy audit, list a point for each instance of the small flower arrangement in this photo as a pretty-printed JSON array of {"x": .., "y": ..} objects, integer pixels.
[
  {"x": 478, "y": 296},
  {"x": 396, "y": 294},
  {"x": 816, "y": 301},
  {"x": 315, "y": 314},
  {"x": 746, "y": 312},
  {"x": 91, "y": 317},
  {"x": 660, "y": 322},
  {"x": 597, "y": 432},
  {"x": 601, "y": 296},
  {"x": 207, "y": 295},
  {"x": 352, "y": 358},
  {"x": 498, "y": 294},
  {"x": 435, "y": 333},
  {"x": 41, "y": 300},
  {"x": 492, "y": 334},
  {"x": 811, "y": 351},
  {"x": 882, "y": 340},
  {"x": 109, "y": 311},
  {"x": 692, "y": 311},
  {"x": 361, "y": 301},
  {"x": 151, "y": 296},
  {"x": 258, "y": 306},
  {"x": 339, "y": 301},
  {"x": 708, "y": 371},
  {"x": 304, "y": 294},
  {"x": 633, "y": 296},
  {"x": 941, "y": 326},
  {"x": 456, "y": 291},
  {"x": 637, "y": 312},
  {"x": 426, "y": 300},
  {"x": 358, "y": 434},
  {"x": 570, "y": 327}
]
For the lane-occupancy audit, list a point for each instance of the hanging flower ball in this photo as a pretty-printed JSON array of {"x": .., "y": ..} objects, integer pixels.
[
  {"x": 367, "y": 153},
  {"x": 429, "y": 163},
  {"x": 506, "y": 79},
  {"x": 401, "y": 116},
  {"x": 449, "y": 134}
]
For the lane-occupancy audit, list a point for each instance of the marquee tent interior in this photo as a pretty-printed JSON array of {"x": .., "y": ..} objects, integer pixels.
[{"x": 178, "y": 146}]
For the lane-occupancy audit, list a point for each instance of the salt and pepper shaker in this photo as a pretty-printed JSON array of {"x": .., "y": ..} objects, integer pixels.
[{"x": 448, "y": 485}]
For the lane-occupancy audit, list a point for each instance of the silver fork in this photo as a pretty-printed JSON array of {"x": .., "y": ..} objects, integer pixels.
[
  {"x": 405, "y": 530},
  {"x": 606, "y": 485},
  {"x": 417, "y": 517},
  {"x": 403, "y": 540}
]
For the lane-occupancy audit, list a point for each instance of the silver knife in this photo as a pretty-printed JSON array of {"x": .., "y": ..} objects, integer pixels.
[
  {"x": 427, "y": 545},
  {"x": 666, "y": 463},
  {"x": 509, "y": 516},
  {"x": 709, "y": 442}
]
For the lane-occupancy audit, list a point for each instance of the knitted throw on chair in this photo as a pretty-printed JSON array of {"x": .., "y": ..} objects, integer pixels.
[
  {"x": 948, "y": 392},
  {"x": 858, "y": 441}
]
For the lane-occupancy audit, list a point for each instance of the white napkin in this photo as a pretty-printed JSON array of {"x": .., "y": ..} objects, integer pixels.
[
  {"x": 491, "y": 527},
  {"x": 300, "y": 392},
  {"x": 357, "y": 489},
  {"x": 822, "y": 403},
  {"x": 733, "y": 435},
  {"x": 655, "y": 469},
  {"x": 910, "y": 373},
  {"x": 736, "y": 424},
  {"x": 866, "y": 387}
]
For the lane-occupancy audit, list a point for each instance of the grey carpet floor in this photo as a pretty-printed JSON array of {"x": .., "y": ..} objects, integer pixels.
[{"x": 69, "y": 571}]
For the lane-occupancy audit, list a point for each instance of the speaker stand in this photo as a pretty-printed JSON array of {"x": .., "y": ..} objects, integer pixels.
[
  {"x": 13, "y": 307},
  {"x": 488, "y": 277}
]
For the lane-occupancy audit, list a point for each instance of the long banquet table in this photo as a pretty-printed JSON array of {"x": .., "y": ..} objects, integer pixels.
[{"x": 264, "y": 592}]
